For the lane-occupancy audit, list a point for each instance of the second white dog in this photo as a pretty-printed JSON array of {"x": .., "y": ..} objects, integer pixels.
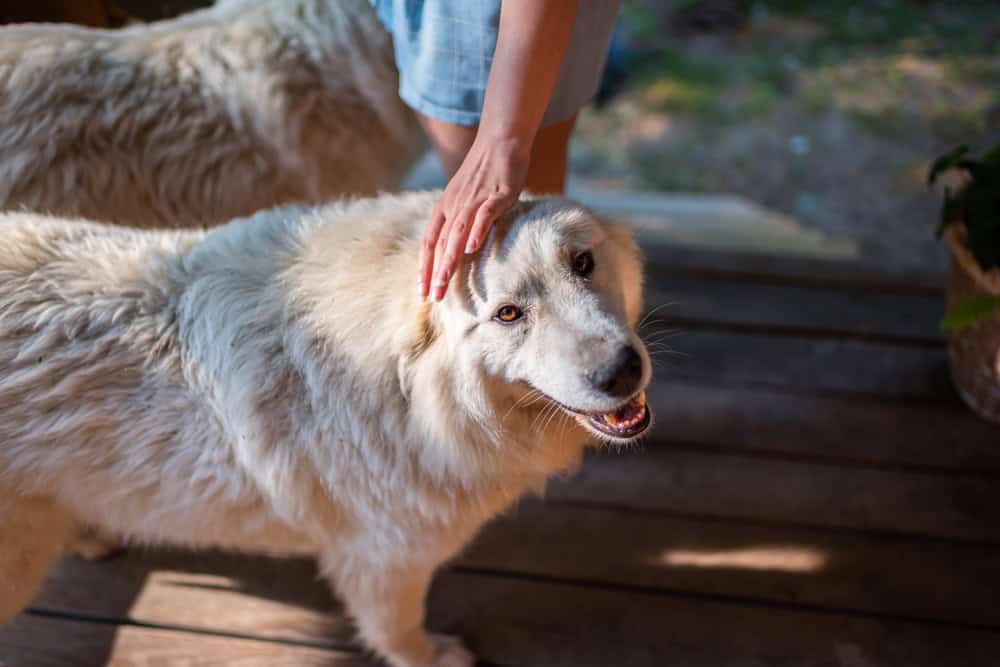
[
  {"x": 200, "y": 119},
  {"x": 276, "y": 384}
]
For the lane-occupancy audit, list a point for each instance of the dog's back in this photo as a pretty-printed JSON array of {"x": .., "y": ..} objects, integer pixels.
[{"x": 85, "y": 332}]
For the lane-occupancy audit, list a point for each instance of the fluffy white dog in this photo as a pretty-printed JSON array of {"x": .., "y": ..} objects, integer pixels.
[
  {"x": 276, "y": 384},
  {"x": 200, "y": 119}
]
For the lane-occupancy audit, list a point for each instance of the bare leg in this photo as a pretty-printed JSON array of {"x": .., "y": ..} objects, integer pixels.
[
  {"x": 33, "y": 532},
  {"x": 549, "y": 153},
  {"x": 387, "y": 604}
]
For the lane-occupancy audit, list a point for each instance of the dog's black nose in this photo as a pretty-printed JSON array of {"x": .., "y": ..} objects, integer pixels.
[{"x": 619, "y": 377}]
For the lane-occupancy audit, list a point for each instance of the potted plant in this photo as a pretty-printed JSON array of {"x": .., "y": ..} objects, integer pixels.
[{"x": 970, "y": 222}]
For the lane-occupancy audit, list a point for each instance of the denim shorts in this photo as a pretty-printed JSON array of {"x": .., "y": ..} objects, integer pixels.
[{"x": 444, "y": 49}]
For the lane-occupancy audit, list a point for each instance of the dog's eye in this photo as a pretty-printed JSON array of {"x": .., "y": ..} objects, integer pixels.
[
  {"x": 583, "y": 264},
  {"x": 508, "y": 314}
]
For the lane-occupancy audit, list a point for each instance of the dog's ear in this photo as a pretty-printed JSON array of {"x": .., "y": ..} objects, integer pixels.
[{"x": 423, "y": 333}]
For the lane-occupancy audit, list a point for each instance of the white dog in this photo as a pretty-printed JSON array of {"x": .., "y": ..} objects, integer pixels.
[
  {"x": 204, "y": 118},
  {"x": 276, "y": 384}
]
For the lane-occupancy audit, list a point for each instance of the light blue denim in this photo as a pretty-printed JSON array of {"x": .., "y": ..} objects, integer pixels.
[{"x": 444, "y": 50}]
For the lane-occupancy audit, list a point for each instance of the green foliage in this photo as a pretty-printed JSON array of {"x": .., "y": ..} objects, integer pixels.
[
  {"x": 969, "y": 311},
  {"x": 947, "y": 161},
  {"x": 976, "y": 204}
]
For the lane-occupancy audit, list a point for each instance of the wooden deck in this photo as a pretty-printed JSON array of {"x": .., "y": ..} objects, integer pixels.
[{"x": 814, "y": 494}]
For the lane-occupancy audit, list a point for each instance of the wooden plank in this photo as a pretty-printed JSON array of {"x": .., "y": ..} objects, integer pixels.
[
  {"x": 515, "y": 622},
  {"x": 850, "y": 311},
  {"x": 811, "y": 365},
  {"x": 735, "y": 233},
  {"x": 787, "y": 491},
  {"x": 768, "y": 564},
  {"x": 510, "y": 620},
  {"x": 34, "y": 641},
  {"x": 211, "y": 591},
  {"x": 876, "y": 275},
  {"x": 864, "y": 574},
  {"x": 941, "y": 435}
]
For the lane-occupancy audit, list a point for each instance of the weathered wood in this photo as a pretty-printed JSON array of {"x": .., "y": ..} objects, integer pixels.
[
  {"x": 865, "y": 574},
  {"x": 847, "y": 311},
  {"x": 516, "y": 622},
  {"x": 794, "y": 492},
  {"x": 511, "y": 620},
  {"x": 812, "y": 365},
  {"x": 33, "y": 641},
  {"x": 854, "y": 429},
  {"x": 273, "y": 598},
  {"x": 871, "y": 274},
  {"x": 761, "y": 564}
]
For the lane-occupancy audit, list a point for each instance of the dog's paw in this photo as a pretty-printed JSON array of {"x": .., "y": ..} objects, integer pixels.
[
  {"x": 91, "y": 545},
  {"x": 451, "y": 652}
]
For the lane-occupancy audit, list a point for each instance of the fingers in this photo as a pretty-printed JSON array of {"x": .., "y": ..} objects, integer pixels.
[
  {"x": 446, "y": 238},
  {"x": 450, "y": 244},
  {"x": 427, "y": 248},
  {"x": 487, "y": 214}
]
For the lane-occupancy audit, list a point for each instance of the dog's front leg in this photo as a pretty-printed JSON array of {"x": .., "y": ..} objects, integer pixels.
[{"x": 387, "y": 603}]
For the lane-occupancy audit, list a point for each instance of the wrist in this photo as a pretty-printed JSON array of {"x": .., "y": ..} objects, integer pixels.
[{"x": 511, "y": 145}]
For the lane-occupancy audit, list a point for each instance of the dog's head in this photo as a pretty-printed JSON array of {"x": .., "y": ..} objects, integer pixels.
[{"x": 547, "y": 310}]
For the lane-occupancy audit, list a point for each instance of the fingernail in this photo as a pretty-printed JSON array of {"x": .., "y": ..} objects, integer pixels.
[{"x": 471, "y": 246}]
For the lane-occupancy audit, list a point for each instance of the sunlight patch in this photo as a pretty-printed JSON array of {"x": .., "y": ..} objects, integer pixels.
[{"x": 781, "y": 558}]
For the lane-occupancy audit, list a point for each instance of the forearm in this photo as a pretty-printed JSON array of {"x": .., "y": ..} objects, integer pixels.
[{"x": 532, "y": 41}]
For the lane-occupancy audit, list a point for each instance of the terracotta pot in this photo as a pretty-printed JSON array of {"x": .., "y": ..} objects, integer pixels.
[{"x": 974, "y": 351}]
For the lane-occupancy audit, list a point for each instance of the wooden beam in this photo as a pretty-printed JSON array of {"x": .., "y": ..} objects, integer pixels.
[
  {"x": 791, "y": 492},
  {"x": 726, "y": 560},
  {"x": 856, "y": 430},
  {"x": 676, "y": 300},
  {"x": 582, "y": 616},
  {"x": 39, "y": 641}
]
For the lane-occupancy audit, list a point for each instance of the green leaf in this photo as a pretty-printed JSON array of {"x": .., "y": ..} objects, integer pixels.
[
  {"x": 969, "y": 311},
  {"x": 947, "y": 161}
]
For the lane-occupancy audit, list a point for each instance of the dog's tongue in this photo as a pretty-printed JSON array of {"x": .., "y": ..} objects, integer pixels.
[{"x": 629, "y": 414}]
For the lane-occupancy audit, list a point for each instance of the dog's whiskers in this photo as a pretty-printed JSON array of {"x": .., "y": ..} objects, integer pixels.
[
  {"x": 660, "y": 335},
  {"x": 530, "y": 398},
  {"x": 652, "y": 312}
]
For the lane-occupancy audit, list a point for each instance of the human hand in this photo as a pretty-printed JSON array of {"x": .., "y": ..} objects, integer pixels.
[{"x": 487, "y": 183}]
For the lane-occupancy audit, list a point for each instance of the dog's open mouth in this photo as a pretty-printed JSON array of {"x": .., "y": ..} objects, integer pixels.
[{"x": 627, "y": 422}]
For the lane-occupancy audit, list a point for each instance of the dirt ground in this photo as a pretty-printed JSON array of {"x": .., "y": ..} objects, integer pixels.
[{"x": 827, "y": 111}]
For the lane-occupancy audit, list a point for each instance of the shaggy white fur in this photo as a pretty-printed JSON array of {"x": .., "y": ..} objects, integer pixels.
[
  {"x": 276, "y": 385},
  {"x": 197, "y": 120}
]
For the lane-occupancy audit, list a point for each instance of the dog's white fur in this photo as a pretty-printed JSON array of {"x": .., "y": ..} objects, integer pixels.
[
  {"x": 276, "y": 384},
  {"x": 204, "y": 118}
]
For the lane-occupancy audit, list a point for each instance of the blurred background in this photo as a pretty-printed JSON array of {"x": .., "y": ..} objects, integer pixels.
[{"x": 825, "y": 113}]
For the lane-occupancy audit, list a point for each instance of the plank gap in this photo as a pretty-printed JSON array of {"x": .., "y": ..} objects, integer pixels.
[
  {"x": 758, "y": 521},
  {"x": 837, "y": 461},
  {"x": 752, "y": 602},
  {"x": 928, "y": 341},
  {"x": 85, "y": 617}
]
